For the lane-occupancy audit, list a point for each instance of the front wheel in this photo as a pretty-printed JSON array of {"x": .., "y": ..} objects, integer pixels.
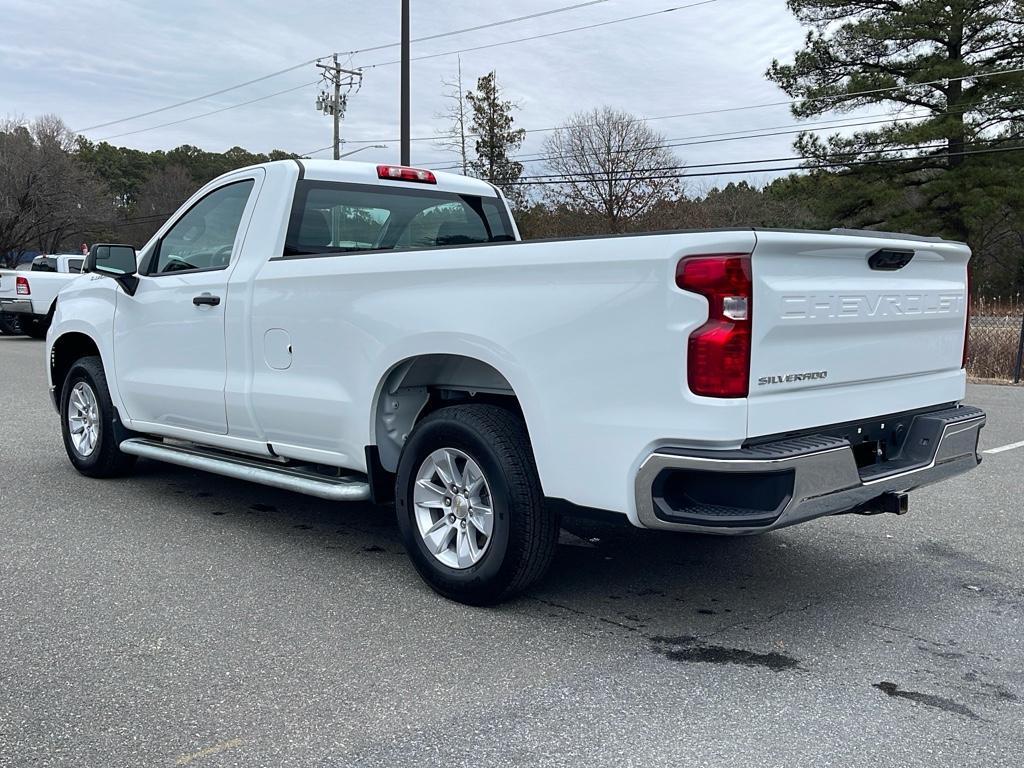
[
  {"x": 470, "y": 507},
  {"x": 89, "y": 422}
]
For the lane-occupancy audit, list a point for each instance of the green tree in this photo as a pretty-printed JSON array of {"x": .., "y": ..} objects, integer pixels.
[
  {"x": 950, "y": 63},
  {"x": 496, "y": 137},
  {"x": 123, "y": 170}
]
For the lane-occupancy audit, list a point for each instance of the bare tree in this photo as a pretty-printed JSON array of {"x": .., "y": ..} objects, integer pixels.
[
  {"x": 17, "y": 181},
  {"x": 455, "y": 138},
  {"x": 48, "y": 199},
  {"x": 612, "y": 165}
]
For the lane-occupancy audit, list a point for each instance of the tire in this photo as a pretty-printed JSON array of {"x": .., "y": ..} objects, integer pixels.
[
  {"x": 36, "y": 327},
  {"x": 523, "y": 529},
  {"x": 86, "y": 383},
  {"x": 10, "y": 324}
]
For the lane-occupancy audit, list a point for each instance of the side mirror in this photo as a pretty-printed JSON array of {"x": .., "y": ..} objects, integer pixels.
[{"x": 117, "y": 261}]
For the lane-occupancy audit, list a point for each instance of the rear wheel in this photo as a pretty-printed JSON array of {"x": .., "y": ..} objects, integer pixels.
[
  {"x": 36, "y": 327},
  {"x": 90, "y": 425},
  {"x": 10, "y": 325},
  {"x": 470, "y": 507}
]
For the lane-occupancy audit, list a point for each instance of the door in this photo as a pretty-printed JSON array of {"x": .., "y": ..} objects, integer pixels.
[{"x": 170, "y": 356}]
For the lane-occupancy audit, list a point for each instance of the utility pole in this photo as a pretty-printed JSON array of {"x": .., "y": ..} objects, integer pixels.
[
  {"x": 334, "y": 104},
  {"x": 406, "y": 108}
]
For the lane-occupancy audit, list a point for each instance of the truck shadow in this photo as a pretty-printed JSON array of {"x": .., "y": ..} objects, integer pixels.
[
  {"x": 616, "y": 578},
  {"x": 792, "y": 602}
]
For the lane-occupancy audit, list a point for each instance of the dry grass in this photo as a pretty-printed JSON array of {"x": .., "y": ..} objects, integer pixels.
[
  {"x": 995, "y": 336},
  {"x": 993, "y": 352},
  {"x": 997, "y": 306}
]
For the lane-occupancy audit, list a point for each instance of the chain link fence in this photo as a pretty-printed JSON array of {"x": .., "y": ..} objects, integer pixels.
[{"x": 996, "y": 349}]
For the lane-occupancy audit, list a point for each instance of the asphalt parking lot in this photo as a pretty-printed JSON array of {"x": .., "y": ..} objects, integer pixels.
[{"x": 183, "y": 619}]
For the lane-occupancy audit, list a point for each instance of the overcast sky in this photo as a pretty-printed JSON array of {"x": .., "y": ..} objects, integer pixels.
[{"x": 95, "y": 61}]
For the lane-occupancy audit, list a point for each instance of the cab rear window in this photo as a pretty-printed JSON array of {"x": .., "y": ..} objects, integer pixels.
[{"x": 334, "y": 218}]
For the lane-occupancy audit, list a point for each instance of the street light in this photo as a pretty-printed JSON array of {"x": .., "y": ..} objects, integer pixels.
[{"x": 368, "y": 146}]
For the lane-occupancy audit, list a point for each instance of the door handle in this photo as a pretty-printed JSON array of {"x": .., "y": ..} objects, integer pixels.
[{"x": 206, "y": 300}]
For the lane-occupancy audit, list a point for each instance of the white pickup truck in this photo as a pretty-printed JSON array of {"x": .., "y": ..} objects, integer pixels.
[
  {"x": 358, "y": 332},
  {"x": 27, "y": 296}
]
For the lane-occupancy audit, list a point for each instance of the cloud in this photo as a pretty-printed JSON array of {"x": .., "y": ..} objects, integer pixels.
[{"x": 105, "y": 59}]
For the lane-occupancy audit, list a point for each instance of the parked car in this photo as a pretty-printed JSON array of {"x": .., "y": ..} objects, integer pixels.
[
  {"x": 360, "y": 332},
  {"x": 27, "y": 300}
]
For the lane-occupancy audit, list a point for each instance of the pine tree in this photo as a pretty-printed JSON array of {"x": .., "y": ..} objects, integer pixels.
[
  {"x": 952, "y": 63},
  {"x": 496, "y": 137}
]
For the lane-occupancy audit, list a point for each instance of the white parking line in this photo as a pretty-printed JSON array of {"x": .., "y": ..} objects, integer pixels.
[{"x": 1004, "y": 448}]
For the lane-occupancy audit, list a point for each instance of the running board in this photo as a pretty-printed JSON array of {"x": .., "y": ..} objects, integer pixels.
[{"x": 252, "y": 470}]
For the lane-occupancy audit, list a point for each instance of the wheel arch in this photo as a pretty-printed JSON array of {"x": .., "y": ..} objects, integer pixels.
[
  {"x": 416, "y": 386},
  {"x": 66, "y": 349}
]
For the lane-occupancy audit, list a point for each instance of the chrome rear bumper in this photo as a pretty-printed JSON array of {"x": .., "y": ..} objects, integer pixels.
[
  {"x": 781, "y": 483},
  {"x": 16, "y": 306}
]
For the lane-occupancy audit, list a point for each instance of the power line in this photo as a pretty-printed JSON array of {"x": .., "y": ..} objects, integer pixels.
[
  {"x": 712, "y": 138},
  {"x": 546, "y": 34},
  {"x": 348, "y": 54},
  {"x": 748, "y": 134},
  {"x": 718, "y": 137},
  {"x": 603, "y": 175},
  {"x": 479, "y": 27},
  {"x": 199, "y": 98},
  {"x": 724, "y": 110},
  {"x": 525, "y": 181},
  {"x": 871, "y": 92},
  {"x": 212, "y": 112}
]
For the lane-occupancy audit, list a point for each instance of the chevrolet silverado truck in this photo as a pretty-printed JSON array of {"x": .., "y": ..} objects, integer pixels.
[
  {"x": 27, "y": 297},
  {"x": 359, "y": 332}
]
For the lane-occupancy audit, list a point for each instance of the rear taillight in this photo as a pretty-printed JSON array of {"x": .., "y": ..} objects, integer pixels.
[
  {"x": 967, "y": 324},
  {"x": 401, "y": 173},
  {"x": 22, "y": 287},
  {"x": 718, "y": 363}
]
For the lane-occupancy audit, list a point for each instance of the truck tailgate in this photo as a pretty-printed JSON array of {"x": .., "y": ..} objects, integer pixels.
[
  {"x": 839, "y": 336},
  {"x": 7, "y": 284}
]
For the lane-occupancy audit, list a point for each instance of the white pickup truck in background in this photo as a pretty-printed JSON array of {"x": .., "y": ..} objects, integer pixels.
[
  {"x": 353, "y": 331},
  {"x": 27, "y": 296}
]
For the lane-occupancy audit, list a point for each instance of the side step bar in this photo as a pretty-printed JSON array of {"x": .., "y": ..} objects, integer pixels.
[{"x": 252, "y": 470}]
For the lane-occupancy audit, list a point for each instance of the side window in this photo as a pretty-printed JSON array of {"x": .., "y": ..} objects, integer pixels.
[
  {"x": 205, "y": 236},
  {"x": 75, "y": 265},
  {"x": 452, "y": 223}
]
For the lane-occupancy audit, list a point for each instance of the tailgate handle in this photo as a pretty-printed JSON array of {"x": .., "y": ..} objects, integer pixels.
[{"x": 888, "y": 260}]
